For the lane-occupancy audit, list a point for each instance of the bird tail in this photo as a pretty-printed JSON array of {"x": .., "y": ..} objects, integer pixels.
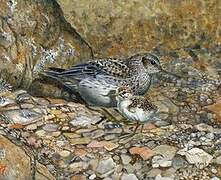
[
  {"x": 56, "y": 74},
  {"x": 53, "y": 72}
]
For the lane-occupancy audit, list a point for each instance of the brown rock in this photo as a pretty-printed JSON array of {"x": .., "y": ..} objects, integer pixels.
[
  {"x": 99, "y": 144},
  {"x": 143, "y": 152},
  {"x": 80, "y": 152},
  {"x": 15, "y": 164},
  {"x": 38, "y": 36},
  {"x": 122, "y": 28},
  {"x": 216, "y": 109},
  {"x": 78, "y": 177}
]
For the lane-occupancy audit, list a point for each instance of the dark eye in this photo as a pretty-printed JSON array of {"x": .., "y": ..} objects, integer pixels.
[{"x": 152, "y": 62}]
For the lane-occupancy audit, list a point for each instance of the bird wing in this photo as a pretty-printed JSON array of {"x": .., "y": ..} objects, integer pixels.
[
  {"x": 110, "y": 67},
  {"x": 142, "y": 103}
]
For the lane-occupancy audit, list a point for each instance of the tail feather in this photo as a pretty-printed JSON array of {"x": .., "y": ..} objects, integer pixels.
[{"x": 59, "y": 70}]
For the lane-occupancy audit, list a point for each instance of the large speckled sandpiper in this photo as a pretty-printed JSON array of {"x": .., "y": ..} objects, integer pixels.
[{"x": 97, "y": 80}]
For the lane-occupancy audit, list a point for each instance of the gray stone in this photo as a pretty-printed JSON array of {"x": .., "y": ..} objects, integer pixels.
[
  {"x": 196, "y": 156},
  {"x": 204, "y": 127},
  {"x": 24, "y": 116},
  {"x": 50, "y": 127},
  {"x": 85, "y": 120},
  {"x": 159, "y": 177},
  {"x": 31, "y": 127},
  {"x": 129, "y": 177},
  {"x": 153, "y": 172},
  {"x": 125, "y": 159},
  {"x": 164, "y": 156},
  {"x": 179, "y": 162},
  {"x": 218, "y": 160},
  {"x": 110, "y": 137},
  {"x": 94, "y": 134},
  {"x": 105, "y": 166},
  {"x": 129, "y": 168},
  {"x": 160, "y": 161}
]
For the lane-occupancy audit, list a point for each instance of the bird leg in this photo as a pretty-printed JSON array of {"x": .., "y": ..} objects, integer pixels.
[
  {"x": 142, "y": 126},
  {"x": 136, "y": 127}
]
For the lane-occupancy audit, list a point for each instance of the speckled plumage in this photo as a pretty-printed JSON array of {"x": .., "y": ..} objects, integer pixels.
[{"x": 97, "y": 80}]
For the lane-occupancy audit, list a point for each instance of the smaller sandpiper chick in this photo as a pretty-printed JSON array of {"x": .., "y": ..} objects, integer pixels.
[{"x": 135, "y": 108}]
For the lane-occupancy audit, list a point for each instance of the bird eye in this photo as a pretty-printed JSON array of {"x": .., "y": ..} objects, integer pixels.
[{"x": 152, "y": 62}]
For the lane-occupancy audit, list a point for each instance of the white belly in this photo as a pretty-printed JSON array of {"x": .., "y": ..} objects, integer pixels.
[{"x": 137, "y": 115}]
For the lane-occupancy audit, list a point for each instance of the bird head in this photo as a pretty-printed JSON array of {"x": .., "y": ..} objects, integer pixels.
[{"x": 150, "y": 62}]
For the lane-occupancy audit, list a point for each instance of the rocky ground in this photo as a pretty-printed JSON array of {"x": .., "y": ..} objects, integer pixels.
[{"x": 60, "y": 139}]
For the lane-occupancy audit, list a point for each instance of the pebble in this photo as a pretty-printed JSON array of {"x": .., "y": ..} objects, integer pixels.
[
  {"x": 85, "y": 121},
  {"x": 144, "y": 152},
  {"x": 94, "y": 134},
  {"x": 159, "y": 177},
  {"x": 40, "y": 133},
  {"x": 113, "y": 131},
  {"x": 197, "y": 156},
  {"x": 168, "y": 152},
  {"x": 153, "y": 173},
  {"x": 204, "y": 127},
  {"x": 71, "y": 135},
  {"x": 215, "y": 178},
  {"x": 64, "y": 153},
  {"x": 179, "y": 162},
  {"x": 77, "y": 166},
  {"x": 110, "y": 137},
  {"x": 125, "y": 159},
  {"x": 161, "y": 123},
  {"x": 105, "y": 166},
  {"x": 50, "y": 127},
  {"x": 159, "y": 161},
  {"x": 84, "y": 140},
  {"x": 218, "y": 160},
  {"x": 129, "y": 177},
  {"x": 93, "y": 176},
  {"x": 23, "y": 117},
  {"x": 56, "y": 134},
  {"x": 31, "y": 127},
  {"x": 129, "y": 168}
]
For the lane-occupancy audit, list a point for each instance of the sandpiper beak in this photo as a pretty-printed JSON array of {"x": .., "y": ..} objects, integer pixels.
[{"x": 170, "y": 73}]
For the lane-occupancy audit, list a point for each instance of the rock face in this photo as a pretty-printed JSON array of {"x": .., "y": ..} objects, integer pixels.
[
  {"x": 33, "y": 35},
  {"x": 119, "y": 28}
]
